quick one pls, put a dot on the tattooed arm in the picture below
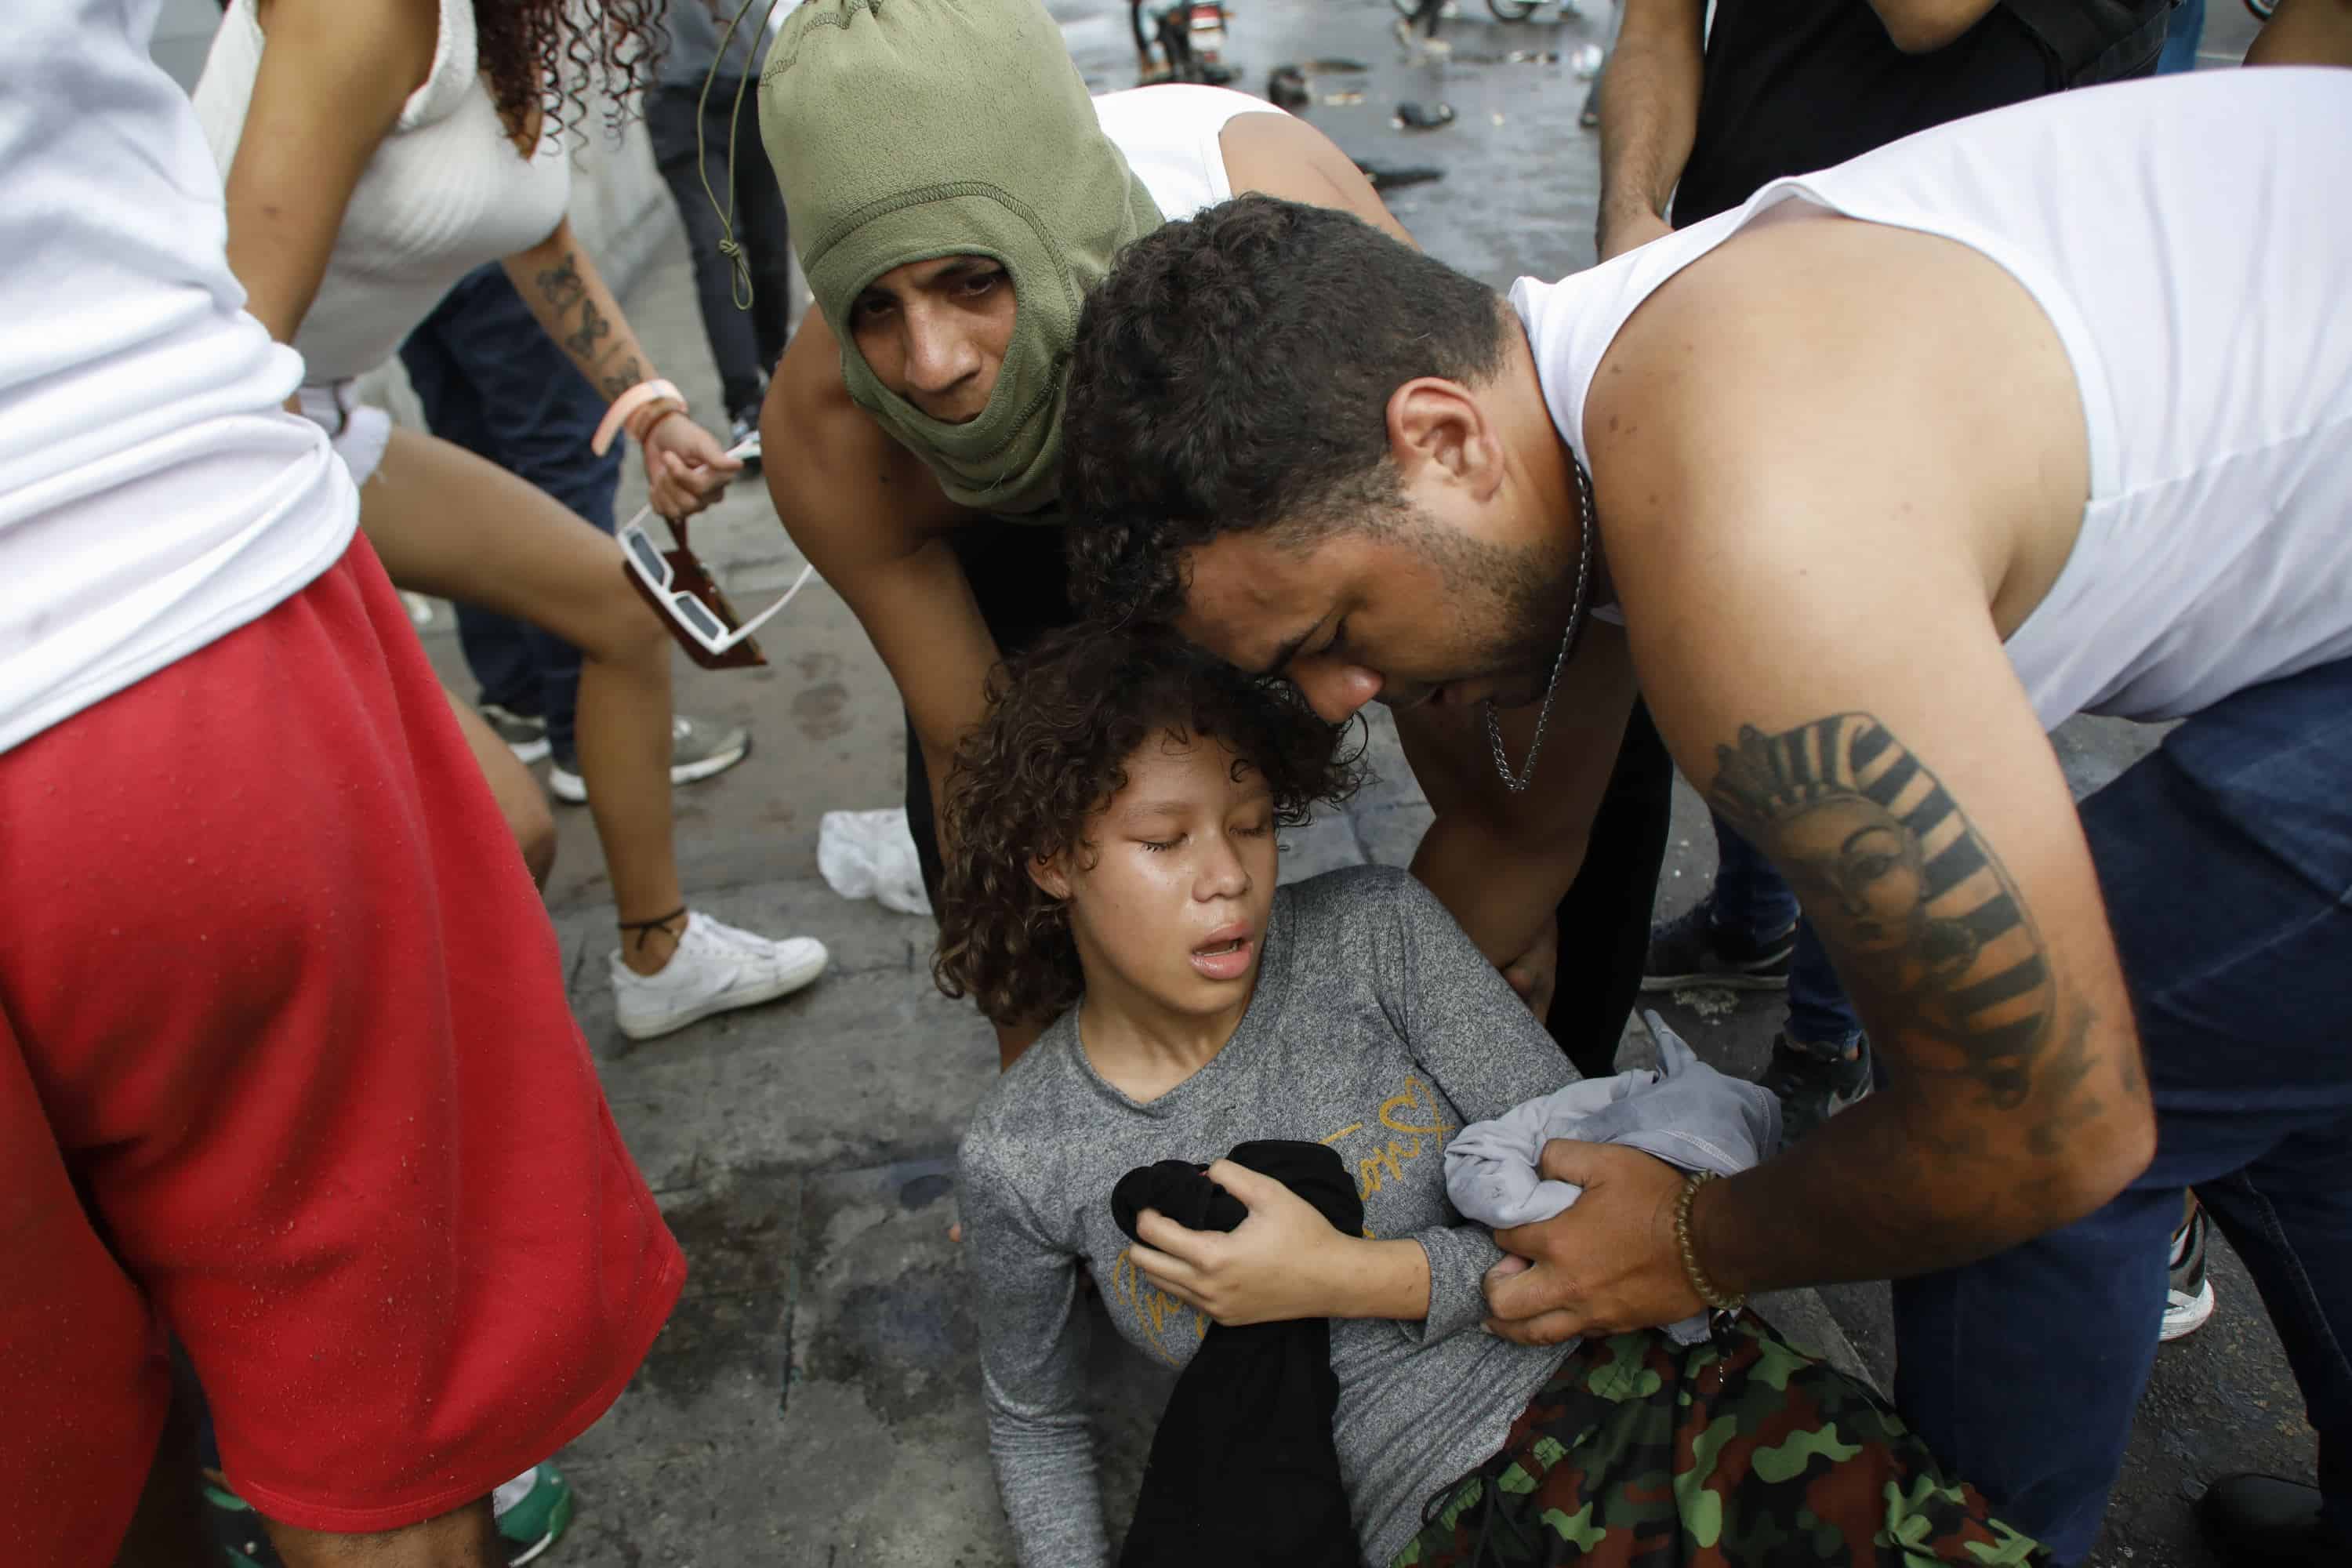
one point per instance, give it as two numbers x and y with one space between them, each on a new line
1813 538
556 279
565 291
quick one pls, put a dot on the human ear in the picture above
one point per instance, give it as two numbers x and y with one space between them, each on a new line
1436 424
1051 877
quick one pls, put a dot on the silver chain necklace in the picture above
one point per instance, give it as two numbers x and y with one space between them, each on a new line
1517 782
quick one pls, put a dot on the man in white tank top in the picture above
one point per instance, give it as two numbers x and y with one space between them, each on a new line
1889 470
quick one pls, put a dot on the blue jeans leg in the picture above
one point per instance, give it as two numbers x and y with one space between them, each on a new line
2225 860
1751 899
2183 31
492 381
1749 896
1818 1014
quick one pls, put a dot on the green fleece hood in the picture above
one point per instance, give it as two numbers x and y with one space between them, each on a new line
907 130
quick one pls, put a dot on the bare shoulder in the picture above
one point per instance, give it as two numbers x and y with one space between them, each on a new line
831 470
1279 154
1860 375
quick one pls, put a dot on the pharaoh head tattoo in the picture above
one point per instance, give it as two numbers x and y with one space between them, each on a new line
1899 886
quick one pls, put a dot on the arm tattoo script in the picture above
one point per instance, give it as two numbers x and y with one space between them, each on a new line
1901 887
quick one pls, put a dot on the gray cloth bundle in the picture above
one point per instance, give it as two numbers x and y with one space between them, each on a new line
1686 1113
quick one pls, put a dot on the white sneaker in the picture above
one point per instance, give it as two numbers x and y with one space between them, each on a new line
717 968
697 749
2188 1294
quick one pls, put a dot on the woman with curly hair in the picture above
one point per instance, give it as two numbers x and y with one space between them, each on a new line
1113 874
375 152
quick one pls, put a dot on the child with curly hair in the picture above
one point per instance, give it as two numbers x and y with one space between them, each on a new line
1112 866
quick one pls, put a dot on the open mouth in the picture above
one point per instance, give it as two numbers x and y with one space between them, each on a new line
1227 957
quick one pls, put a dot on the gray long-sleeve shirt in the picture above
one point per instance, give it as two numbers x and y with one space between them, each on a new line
1378 1028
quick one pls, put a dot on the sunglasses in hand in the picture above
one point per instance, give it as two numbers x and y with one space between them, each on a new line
690 602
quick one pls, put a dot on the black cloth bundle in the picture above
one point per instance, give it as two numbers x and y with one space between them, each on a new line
1243 1472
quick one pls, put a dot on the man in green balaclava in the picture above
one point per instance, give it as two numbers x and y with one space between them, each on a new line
954 194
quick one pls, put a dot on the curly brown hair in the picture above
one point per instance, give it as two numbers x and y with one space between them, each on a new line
536 56
1062 721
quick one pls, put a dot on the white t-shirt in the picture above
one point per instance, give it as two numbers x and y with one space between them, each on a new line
2189 240
154 494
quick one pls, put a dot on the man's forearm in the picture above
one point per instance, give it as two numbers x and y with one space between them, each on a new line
1500 893
1649 110
1899 1185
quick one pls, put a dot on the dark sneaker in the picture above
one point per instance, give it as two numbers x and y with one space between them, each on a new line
532 1512
1691 949
524 733
1813 1083
2263 1520
699 748
2188 1295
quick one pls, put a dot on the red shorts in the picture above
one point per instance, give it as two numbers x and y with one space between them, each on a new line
286 1070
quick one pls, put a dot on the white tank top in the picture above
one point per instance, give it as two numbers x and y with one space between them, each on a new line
153 495
1168 136
2191 240
445 193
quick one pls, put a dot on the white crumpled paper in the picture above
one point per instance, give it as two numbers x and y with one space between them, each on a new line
871 855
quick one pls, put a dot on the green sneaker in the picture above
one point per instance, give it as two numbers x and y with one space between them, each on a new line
532 1510
236 1529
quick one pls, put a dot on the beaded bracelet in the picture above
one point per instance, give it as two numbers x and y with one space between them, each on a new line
1691 1269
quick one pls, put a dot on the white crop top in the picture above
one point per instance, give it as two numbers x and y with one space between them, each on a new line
2188 239
445 193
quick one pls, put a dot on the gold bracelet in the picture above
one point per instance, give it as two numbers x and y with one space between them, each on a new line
1697 1275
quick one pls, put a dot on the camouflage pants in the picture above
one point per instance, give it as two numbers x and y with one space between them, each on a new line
1641 1453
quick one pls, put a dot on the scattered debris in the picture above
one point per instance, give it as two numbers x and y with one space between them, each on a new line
1387 179
1708 1001
1343 98
1333 66
1415 116
1588 60
1497 118
1532 57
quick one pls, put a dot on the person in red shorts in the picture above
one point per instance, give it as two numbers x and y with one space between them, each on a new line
274 983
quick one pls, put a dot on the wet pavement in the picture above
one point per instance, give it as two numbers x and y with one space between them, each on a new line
815 1398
